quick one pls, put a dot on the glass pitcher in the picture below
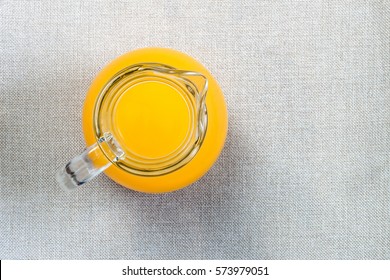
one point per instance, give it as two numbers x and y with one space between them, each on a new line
150 125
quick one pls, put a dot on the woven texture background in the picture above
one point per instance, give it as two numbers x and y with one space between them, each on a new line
305 173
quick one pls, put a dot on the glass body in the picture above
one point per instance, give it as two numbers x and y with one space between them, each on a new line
154 120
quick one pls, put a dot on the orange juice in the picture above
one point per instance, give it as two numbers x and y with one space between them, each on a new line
153 120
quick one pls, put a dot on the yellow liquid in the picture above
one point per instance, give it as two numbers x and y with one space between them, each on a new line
152 120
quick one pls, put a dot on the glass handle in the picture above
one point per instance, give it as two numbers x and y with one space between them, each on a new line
90 163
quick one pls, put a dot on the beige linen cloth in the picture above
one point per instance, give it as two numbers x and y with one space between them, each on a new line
305 173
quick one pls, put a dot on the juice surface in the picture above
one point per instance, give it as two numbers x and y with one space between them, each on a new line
153 120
